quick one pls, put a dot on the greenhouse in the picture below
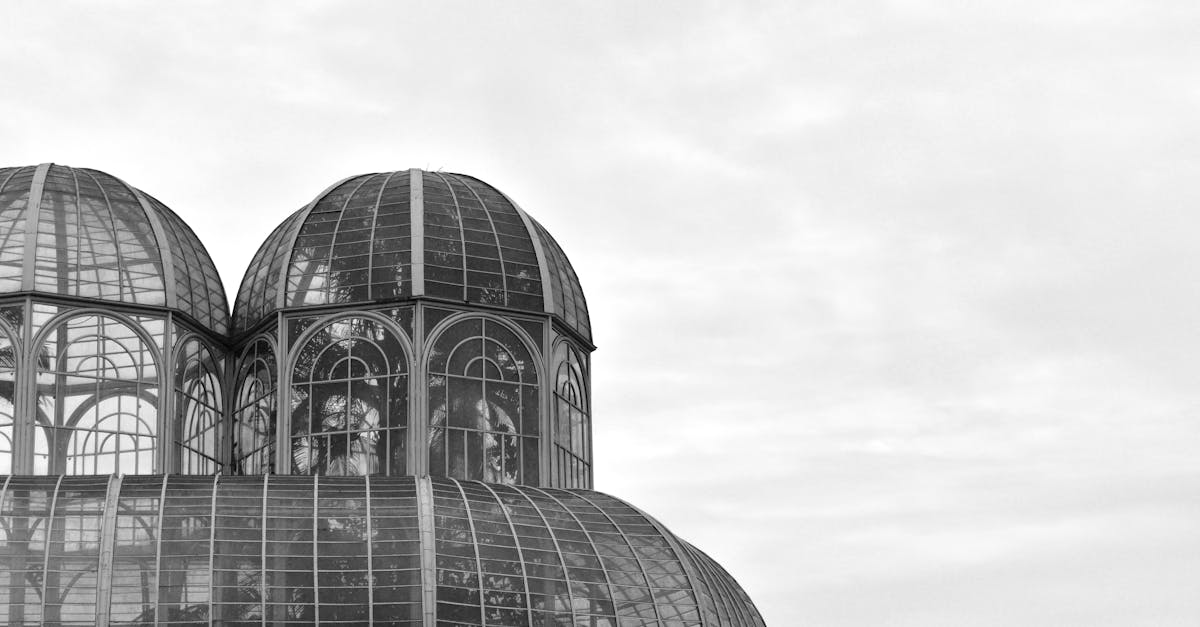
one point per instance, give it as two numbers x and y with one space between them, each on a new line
393 427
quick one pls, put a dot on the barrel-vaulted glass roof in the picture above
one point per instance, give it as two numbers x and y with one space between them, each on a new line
397 235
279 549
82 233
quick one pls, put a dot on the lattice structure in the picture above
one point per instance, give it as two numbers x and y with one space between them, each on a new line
395 429
289 550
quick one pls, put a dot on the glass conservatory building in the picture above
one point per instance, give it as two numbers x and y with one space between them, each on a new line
393 428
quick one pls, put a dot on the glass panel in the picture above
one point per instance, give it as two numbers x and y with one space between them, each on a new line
97 399
349 401
480 383
198 409
572 423
254 412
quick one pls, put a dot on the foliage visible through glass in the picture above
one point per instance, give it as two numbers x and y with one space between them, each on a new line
349 401
483 404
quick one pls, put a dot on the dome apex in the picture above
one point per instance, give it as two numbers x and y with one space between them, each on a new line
411 233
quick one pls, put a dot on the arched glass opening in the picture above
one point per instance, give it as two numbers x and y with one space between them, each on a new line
483 405
96 399
572 420
349 401
254 413
8 390
198 409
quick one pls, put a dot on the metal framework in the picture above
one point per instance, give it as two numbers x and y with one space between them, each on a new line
276 550
411 341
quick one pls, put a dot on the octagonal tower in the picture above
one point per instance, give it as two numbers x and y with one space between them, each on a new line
413 322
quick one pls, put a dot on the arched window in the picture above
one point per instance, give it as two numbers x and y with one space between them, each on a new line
483 405
349 403
198 409
97 399
572 420
8 371
254 413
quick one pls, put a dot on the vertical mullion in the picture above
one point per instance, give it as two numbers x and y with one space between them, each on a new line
520 553
474 547
49 542
212 550
370 554
104 567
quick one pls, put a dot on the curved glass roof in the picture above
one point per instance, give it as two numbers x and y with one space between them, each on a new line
86 234
354 550
396 235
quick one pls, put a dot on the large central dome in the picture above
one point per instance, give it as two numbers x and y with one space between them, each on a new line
398 235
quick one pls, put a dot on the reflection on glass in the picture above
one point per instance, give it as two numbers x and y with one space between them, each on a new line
198 409
573 429
97 399
349 404
8 369
483 405
254 414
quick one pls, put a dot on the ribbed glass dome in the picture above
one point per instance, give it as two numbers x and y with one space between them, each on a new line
82 233
396 235
292 550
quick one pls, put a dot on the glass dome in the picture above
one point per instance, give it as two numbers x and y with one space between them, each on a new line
398 235
277 550
80 233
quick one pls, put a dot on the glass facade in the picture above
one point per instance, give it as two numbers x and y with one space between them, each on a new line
292 550
483 404
349 400
395 429
572 419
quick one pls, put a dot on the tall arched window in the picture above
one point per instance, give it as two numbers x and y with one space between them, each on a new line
254 413
483 405
97 399
349 402
572 420
198 409
8 390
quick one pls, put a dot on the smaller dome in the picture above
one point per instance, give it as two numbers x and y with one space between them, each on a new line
361 242
86 234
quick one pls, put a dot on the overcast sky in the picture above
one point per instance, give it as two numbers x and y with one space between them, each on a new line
897 305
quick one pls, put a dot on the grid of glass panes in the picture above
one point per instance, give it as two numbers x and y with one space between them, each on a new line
260 285
70 579
254 412
198 289
355 244
349 401
674 599
198 409
185 556
25 506
569 302
8 390
298 550
477 247
730 604
483 404
135 550
94 240
14 197
97 399
572 423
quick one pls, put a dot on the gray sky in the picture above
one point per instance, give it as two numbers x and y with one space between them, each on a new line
897 304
